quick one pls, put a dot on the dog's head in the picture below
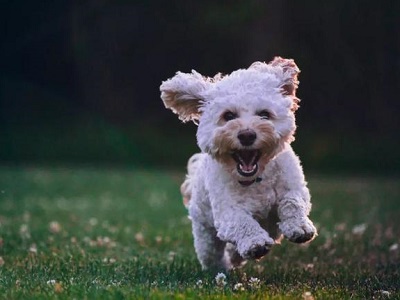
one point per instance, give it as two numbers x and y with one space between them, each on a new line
245 118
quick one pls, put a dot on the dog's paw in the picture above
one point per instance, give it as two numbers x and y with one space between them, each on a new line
257 252
256 249
302 238
298 231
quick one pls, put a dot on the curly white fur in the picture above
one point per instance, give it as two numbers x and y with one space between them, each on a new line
246 189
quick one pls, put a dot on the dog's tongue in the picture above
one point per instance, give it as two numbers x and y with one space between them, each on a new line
247 159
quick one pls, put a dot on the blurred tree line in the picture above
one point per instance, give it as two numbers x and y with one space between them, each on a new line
79 80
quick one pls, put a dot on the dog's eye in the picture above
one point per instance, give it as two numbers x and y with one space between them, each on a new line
265 114
228 115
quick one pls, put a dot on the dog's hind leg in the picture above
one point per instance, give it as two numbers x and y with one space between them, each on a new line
209 248
186 187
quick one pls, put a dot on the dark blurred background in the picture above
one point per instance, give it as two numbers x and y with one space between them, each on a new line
79 80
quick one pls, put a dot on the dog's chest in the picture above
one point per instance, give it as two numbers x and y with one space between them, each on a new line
258 199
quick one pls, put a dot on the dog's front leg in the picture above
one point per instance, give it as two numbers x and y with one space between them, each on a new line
238 227
294 223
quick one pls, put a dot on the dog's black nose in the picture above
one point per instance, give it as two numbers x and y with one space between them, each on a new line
247 137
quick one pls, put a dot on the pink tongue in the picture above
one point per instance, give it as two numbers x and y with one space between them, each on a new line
247 159
247 168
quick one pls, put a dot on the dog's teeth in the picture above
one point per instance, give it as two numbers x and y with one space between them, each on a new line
247 171
242 168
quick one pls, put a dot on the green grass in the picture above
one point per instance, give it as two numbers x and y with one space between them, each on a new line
115 234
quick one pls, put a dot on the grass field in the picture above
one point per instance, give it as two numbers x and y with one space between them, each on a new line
114 234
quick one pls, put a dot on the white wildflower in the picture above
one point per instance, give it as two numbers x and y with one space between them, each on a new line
154 283
114 283
309 267
52 281
238 287
171 255
385 294
308 296
93 222
394 247
139 237
33 249
254 283
199 283
359 229
220 279
54 227
107 260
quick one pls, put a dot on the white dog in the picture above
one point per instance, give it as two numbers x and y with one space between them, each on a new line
246 188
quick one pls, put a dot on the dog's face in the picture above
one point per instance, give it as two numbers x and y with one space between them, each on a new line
244 118
244 132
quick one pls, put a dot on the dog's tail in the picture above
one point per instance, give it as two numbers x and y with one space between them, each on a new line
187 185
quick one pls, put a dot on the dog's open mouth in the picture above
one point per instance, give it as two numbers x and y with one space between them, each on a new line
247 161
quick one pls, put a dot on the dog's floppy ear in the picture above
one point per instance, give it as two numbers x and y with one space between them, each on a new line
183 94
289 80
